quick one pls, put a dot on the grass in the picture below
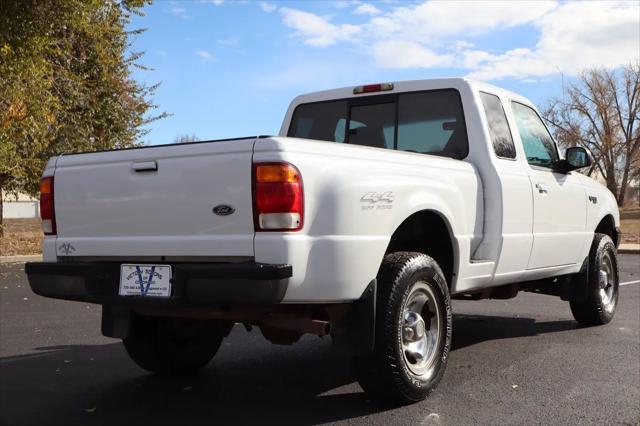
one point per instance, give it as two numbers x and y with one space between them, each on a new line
24 236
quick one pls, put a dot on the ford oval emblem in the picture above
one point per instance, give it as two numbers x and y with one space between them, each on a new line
223 210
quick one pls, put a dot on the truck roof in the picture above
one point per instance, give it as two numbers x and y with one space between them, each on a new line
465 86
409 86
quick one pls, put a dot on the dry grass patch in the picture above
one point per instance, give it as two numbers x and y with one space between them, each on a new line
630 225
21 236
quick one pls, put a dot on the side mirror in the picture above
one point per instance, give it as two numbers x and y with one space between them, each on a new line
577 157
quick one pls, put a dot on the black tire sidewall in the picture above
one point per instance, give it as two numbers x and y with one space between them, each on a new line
591 311
417 267
152 345
434 279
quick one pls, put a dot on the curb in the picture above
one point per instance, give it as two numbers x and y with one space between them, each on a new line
629 250
22 258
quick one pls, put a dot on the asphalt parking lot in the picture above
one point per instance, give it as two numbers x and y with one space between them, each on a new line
519 361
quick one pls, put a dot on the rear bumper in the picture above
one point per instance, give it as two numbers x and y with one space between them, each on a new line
193 284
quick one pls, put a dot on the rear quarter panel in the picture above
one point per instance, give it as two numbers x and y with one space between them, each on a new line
355 198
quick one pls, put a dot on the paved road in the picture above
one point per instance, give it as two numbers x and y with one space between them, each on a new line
520 361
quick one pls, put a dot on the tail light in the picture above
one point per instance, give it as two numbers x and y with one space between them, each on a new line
47 208
278 201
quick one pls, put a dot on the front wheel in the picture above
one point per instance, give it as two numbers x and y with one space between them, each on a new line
413 330
602 284
172 345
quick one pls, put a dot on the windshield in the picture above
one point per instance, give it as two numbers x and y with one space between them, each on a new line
430 122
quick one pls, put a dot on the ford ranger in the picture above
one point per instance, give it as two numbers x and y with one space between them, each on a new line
372 209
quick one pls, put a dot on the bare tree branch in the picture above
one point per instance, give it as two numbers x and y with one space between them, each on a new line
601 114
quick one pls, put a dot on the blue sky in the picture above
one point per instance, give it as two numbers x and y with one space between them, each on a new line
230 68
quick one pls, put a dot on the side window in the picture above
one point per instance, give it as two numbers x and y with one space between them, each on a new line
432 123
537 142
498 126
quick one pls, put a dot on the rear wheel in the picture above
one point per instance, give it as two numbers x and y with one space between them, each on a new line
602 284
413 330
172 345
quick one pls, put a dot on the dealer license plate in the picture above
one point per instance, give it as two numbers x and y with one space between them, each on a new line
145 280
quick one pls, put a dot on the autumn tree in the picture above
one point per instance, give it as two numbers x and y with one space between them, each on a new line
600 111
66 84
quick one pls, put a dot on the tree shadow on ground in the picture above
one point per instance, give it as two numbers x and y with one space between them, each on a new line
250 381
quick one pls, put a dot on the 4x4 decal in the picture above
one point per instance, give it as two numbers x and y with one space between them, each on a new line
377 200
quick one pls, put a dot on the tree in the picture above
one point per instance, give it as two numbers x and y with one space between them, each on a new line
601 112
66 84
186 138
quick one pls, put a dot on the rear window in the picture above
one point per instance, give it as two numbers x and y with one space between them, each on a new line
325 121
430 122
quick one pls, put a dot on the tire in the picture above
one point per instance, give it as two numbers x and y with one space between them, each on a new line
172 345
404 368
602 281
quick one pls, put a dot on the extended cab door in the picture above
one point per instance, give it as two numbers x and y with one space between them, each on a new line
559 200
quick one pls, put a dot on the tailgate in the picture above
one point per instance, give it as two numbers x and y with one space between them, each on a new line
114 204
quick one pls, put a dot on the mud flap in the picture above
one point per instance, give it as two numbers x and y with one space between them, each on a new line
116 321
576 288
355 331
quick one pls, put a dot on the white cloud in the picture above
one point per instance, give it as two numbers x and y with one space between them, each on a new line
571 36
217 2
317 30
267 7
204 55
440 18
343 4
408 54
367 9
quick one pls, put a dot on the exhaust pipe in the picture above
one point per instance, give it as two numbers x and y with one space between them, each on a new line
300 325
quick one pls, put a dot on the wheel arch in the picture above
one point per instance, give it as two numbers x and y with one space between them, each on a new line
429 232
607 225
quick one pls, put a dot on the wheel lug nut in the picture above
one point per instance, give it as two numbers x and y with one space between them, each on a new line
408 333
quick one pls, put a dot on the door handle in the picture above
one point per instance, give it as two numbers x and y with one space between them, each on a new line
542 188
145 166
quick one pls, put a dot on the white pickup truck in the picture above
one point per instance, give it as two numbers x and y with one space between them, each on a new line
372 209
